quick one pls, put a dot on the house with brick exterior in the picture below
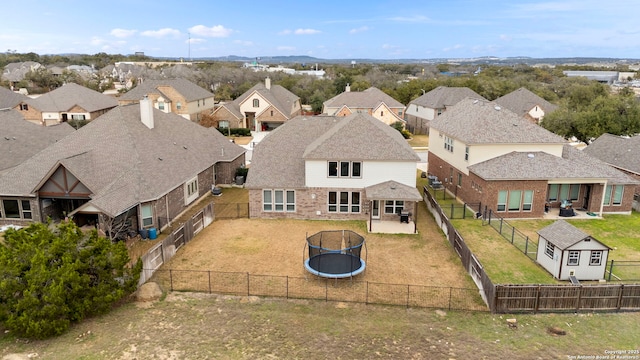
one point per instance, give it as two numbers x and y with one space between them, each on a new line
10 99
178 96
68 102
134 165
322 167
21 139
484 153
526 104
427 107
372 101
263 107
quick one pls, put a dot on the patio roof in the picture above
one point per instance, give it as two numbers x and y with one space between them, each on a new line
392 190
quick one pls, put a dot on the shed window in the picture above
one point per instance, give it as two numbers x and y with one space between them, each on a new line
573 258
549 249
596 258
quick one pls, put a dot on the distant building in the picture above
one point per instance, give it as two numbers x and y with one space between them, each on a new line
606 77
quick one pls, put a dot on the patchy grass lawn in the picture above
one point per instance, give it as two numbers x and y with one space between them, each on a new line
419 141
202 326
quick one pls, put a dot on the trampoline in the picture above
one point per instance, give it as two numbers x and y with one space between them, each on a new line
335 254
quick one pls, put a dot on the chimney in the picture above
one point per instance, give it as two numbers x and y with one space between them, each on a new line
146 112
267 83
347 88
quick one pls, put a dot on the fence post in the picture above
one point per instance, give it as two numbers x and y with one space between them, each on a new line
170 280
366 295
451 217
526 246
248 286
610 270
450 290
513 233
579 298
620 296
537 306
408 287
287 284
501 219
209 281
464 211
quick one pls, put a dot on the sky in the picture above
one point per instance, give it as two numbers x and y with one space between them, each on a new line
372 29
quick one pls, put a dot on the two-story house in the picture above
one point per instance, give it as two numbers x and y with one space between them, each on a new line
333 167
134 165
427 107
484 153
178 96
68 102
526 104
263 107
372 101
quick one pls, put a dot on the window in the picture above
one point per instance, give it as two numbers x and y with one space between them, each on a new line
179 105
596 258
574 192
502 201
77 117
256 102
549 249
26 209
574 258
553 192
291 201
393 207
147 215
24 107
515 196
271 112
527 201
564 192
161 105
448 143
224 124
344 201
607 195
459 179
11 209
466 153
279 200
267 200
191 190
381 113
617 194
345 168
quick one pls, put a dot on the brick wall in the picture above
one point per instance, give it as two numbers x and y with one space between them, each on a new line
226 171
32 114
266 116
223 114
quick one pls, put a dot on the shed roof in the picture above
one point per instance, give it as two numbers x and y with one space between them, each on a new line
564 235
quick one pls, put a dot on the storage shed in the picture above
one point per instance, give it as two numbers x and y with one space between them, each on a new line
565 251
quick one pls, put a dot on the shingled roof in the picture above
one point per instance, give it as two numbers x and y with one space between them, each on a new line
122 161
20 139
474 121
189 90
279 159
9 99
521 101
279 97
69 95
368 99
618 151
444 97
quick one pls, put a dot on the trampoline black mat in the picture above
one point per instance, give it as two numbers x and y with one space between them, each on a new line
335 263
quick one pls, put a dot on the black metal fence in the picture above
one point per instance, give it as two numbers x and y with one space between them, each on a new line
231 210
521 241
314 288
620 270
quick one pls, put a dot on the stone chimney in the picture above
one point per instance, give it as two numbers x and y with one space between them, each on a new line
267 83
347 88
146 112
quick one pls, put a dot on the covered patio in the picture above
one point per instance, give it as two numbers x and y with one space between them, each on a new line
392 208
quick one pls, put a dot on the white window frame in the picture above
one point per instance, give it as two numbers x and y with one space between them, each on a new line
466 153
278 200
549 249
527 200
256 103
146 215
267 204
290 203
513 197
448 143
595 258
573 258
393 206
502 203
191 192
617 196
344 202
344 169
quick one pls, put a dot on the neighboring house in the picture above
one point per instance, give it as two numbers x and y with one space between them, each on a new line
433 103
134 165
68 102
605 77
16 72
179 96
621 152
564 251
263 107
10 99
333 167
527 104
484 153
371 101
19 139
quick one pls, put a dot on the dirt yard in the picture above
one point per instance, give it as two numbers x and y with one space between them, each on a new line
276 247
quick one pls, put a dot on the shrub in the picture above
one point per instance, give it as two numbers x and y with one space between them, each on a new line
235 131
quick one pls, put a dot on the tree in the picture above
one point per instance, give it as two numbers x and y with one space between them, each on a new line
50 278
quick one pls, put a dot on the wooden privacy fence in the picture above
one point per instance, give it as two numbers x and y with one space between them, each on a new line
313 288
509 298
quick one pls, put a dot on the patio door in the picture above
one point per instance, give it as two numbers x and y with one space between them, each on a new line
585 199
375 210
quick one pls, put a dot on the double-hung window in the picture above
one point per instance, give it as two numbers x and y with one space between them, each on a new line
345 169
502 201
596 258
278 200
344 202
393 206
573 258
147 215
549 249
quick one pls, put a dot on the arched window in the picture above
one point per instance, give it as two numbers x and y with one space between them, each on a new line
256 102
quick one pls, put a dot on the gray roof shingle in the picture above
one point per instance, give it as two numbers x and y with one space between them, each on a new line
9 99
475 121
279 159
368 99
621 152
564 235
122 161
69 95
444 97
189 90
521 101
392 190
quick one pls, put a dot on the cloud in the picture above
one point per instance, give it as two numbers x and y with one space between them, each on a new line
285 48
411 19
285 32
123 33
306 31
359 30
217 31
161 33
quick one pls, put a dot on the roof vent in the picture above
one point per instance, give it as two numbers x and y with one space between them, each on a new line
498 108
530 156
475 101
